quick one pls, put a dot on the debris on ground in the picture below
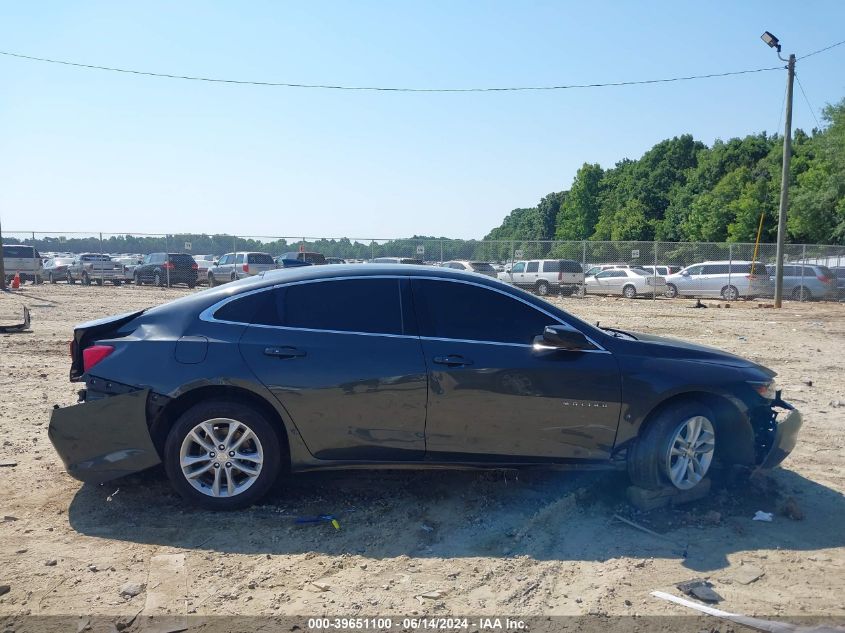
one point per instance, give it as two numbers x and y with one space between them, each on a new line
132 589
699 588
746 574
792 510
8 464
767 517
4 589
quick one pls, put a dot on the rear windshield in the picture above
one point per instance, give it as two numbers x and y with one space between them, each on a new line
181 258
641 271
410 261
260 258
91 257
20 251
481 267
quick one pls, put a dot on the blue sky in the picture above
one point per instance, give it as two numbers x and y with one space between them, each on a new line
91 150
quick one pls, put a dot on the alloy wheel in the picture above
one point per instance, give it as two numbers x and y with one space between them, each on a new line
690 452
221 457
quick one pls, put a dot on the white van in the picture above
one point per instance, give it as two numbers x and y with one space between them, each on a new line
24 260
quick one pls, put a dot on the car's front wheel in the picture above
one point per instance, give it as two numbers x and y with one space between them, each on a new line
542 288
630 292
222 455
676 447
671 291
211 280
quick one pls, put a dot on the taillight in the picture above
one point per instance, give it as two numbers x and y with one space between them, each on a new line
824 278
94 354
194 266
168 266
246 268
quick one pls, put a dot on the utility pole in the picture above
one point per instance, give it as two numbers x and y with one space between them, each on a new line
773 42
784 182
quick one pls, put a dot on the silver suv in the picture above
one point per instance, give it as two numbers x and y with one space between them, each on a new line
482 268
234 266
24 260
729 280
545 275
808 281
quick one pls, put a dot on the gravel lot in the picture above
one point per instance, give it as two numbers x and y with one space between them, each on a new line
433 542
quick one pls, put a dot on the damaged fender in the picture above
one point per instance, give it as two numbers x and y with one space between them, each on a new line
104 439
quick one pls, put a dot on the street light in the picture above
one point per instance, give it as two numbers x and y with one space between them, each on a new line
773 42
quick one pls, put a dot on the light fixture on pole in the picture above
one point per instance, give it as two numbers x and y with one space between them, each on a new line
773 42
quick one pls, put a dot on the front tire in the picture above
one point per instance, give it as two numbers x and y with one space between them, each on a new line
86 280
542 288
802 293
70 279
212 282
50 278
629 292
228 478
671 291
675 448
157 280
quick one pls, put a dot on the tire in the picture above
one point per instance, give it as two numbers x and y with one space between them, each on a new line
192 284
86 280
212 282
157 280
801 293
629 292
137 280
542 288
116 282
730 293
99 281
51 278
199 490
234 277
650 460
671 291
70 279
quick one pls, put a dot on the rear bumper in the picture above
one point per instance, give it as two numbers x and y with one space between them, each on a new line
104 439
787 423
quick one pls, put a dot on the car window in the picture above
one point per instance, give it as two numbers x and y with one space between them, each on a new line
260 258
518 268
181 258
840 273
533 267
467 312
18 251
593 271
695 270
239 258
481 267
605 274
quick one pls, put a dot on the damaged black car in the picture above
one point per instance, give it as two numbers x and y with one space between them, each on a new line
395 366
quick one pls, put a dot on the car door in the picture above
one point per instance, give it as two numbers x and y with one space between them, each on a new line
492 396
689 281
343 358
518 274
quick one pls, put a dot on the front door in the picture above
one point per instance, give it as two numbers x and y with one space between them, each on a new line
492 397
342 358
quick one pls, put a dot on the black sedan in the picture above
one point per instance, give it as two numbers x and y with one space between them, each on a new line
396 366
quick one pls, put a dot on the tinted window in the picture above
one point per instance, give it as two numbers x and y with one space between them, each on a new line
533 267
18 251
463 311
260 258
348 305
715 269
481 267
182 258
259 307
605 274
239 258
562 265
90 257
694 270
518 268
311 258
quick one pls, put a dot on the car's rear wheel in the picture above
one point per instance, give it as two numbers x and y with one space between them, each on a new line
802 293
542 288
99 281
116 282
629 291
70 279
136 278
211 280
222 455
671 291
676 448
234 277
86 280
730 293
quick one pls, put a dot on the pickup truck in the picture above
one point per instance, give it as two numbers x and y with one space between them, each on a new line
95 267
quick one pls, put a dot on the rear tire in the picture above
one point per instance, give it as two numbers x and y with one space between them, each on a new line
99 282
50 278
189 451
212 282
86 280
629 292
802 293
70 279
116 282
234 277
671 291
137 280
157 281
656 458
730 293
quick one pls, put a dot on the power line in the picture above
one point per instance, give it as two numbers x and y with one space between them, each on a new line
809 105
388 89
822 50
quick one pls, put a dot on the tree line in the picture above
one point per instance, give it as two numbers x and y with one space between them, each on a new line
681 190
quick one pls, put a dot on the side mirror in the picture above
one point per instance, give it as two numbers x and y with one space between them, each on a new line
685 273
562 337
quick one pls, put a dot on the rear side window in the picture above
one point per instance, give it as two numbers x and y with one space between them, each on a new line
239 259
260 258
481 267
551 266
533 267
346 305
259 307
466 312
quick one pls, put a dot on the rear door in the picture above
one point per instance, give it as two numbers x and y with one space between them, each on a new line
343 358
492 397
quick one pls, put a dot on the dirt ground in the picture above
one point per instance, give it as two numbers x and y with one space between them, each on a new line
427 542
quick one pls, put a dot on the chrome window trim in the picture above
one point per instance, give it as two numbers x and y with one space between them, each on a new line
207 315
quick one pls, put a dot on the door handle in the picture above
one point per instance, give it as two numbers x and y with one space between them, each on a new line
284 352
453 360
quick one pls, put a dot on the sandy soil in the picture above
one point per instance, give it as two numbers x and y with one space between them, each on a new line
436 542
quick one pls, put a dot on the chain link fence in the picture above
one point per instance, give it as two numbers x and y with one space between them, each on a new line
695 269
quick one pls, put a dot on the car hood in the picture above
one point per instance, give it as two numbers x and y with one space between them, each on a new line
665 347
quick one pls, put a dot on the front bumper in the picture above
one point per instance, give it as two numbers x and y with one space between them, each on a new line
104 439
783 432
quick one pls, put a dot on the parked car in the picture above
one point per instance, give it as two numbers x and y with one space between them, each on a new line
23 260
130 263
661 269
281 262
628 282
482 268
230 386
166 269
55 269
204 263
335 260
597 268
545 275
97 268
809 281
234 266
725 279
839 272
312 258
397 260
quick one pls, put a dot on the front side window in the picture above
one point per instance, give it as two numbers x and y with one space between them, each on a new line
466 312
694 270
518 268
